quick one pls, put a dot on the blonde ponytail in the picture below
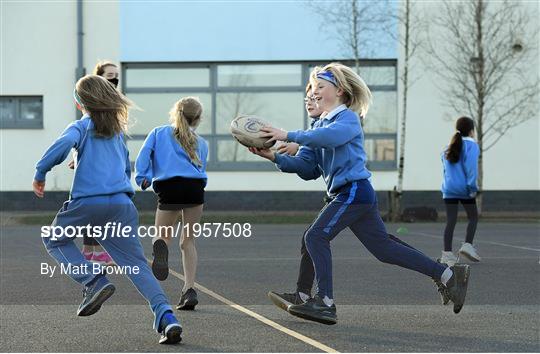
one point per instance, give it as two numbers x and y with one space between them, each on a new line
184 115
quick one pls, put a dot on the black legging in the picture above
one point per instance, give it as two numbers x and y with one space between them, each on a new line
451 219
89 241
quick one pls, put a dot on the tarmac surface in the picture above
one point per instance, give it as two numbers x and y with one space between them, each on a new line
381 308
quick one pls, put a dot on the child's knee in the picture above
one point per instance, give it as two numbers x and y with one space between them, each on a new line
187 242
314 236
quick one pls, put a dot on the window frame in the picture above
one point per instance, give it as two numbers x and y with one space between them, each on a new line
213 89
18 122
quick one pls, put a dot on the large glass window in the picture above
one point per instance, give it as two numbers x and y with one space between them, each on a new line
283 110
155 108
259 75
382 114
272 91
168 77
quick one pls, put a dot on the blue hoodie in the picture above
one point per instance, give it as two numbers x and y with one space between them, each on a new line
162 157
333 148
460 177
102 164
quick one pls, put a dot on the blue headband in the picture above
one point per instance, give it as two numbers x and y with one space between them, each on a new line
327 76
77 98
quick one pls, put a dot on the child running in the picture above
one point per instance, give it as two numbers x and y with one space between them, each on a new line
173 161
460 169
306 273
100 197
337 153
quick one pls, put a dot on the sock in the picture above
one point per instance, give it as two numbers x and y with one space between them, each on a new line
446 275
327 301
167 319
98 253
305 297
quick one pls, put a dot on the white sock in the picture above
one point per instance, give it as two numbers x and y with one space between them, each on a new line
327 301
304 297
446 275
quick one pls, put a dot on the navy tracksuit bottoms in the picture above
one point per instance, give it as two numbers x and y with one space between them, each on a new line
355 206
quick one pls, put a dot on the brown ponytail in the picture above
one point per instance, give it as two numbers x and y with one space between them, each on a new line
99 69
184 115
464 126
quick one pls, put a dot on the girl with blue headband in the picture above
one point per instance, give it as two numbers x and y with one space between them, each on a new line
100 200
336 142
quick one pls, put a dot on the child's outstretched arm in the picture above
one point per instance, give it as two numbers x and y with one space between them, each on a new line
342 130
303 164
143 163
59 150
471 168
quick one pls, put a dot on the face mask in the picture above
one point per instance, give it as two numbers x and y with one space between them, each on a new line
113 81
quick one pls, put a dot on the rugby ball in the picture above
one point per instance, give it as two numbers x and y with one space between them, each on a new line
246 129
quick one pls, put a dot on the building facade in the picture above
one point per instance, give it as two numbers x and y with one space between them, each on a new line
238 58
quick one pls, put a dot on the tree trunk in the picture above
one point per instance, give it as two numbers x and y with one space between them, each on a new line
398 192
481 98
354 39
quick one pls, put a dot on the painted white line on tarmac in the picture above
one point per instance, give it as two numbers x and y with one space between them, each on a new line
486 242
258 317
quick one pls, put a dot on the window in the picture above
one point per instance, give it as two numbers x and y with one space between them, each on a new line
259 75
273 91
21 112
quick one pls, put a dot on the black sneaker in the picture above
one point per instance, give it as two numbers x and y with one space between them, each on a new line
188 301
160 263
315 310
284 300
95 295
457 285
443 292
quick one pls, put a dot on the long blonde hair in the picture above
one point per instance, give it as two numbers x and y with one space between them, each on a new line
108 108
186 114
357 94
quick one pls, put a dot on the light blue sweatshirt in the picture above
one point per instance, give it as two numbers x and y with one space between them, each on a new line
460 177
162 157
333 148
102 164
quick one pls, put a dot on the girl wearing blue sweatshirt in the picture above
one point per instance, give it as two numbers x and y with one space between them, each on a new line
173 161
101 198
460 170
334 149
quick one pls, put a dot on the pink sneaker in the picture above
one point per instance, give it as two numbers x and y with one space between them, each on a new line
88 256
103 258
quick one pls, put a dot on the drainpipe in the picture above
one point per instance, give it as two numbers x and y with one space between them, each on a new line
79 71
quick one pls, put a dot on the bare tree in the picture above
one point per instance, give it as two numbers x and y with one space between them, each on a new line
483 53
241 103
356 24
409 38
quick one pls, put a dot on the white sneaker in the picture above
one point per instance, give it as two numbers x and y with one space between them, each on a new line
469 252
448 258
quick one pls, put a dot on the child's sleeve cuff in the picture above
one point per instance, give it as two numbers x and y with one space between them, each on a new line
39 176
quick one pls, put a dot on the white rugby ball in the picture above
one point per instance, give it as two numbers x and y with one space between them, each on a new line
247 130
